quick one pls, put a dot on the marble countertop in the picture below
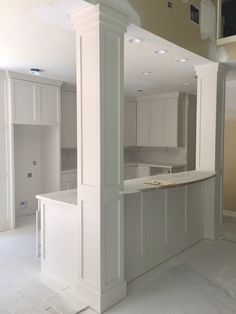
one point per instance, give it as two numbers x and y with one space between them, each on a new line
161 164
69 197
176 179
66 171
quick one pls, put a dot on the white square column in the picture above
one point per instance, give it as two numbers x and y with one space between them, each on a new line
210 141
100 80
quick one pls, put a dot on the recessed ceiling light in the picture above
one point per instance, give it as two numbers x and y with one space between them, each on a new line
186 84
147 73
35 71
183 60
135 40
161 51
140 90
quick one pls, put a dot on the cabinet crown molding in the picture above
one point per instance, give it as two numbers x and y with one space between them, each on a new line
30 78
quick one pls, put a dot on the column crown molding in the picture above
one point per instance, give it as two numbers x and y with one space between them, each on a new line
210 69
83 20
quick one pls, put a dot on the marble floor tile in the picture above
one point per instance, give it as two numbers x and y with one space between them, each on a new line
229 225
200 280
23 289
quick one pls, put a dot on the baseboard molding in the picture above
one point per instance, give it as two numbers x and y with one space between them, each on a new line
229 213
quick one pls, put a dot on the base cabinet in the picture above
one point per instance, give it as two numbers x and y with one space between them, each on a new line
160 224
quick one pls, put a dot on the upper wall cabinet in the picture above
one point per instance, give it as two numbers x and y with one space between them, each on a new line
130 122
34 101
68 119
160 120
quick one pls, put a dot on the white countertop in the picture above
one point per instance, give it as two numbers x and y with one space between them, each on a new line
180 178
161 164
69 197
68 171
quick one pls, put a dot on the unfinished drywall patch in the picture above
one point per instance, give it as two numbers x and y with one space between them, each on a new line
59 13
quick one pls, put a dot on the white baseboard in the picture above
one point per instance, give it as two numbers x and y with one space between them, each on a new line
229 213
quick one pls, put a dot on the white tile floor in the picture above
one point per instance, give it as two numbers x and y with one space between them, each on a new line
22 288
201 280
230 229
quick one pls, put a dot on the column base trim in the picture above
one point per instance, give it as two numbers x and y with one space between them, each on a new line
101 303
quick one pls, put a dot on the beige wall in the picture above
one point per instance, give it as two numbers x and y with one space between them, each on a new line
230 148
172 24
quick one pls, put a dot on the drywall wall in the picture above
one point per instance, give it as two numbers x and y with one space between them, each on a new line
172 24
27 150
230 148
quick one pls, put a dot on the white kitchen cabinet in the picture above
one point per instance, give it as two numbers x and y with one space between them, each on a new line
34 101
143 124
159 122
68 119
23 101
130 122
49 102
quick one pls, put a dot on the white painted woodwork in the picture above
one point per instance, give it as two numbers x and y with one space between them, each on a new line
33 102
68 119
5 161
130 122
49 104
143 124
24 101
210 141
100 53
160 224
159 121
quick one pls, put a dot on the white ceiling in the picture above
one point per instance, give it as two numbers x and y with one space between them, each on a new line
36 33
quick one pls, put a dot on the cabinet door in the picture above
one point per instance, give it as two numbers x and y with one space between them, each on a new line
157 123
49 99
171 123
68 120
142 124
130 118
23 102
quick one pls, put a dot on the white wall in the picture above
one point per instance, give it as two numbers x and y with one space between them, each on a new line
27 149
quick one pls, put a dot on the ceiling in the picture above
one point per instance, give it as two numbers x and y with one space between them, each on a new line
37 33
